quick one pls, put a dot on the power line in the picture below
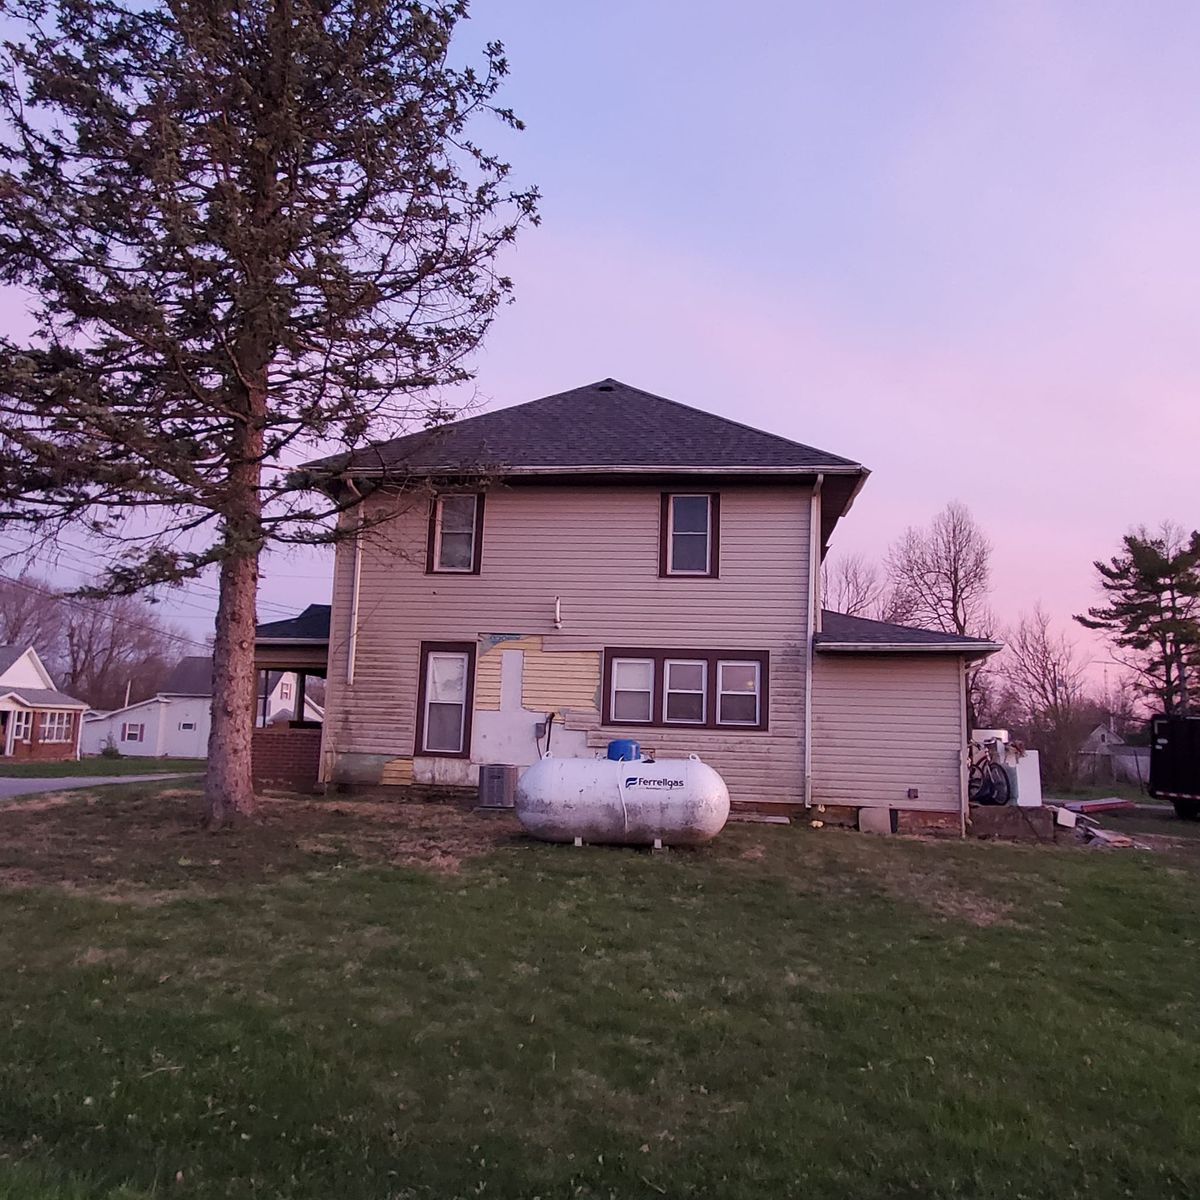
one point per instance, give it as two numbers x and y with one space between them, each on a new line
194 584
82 606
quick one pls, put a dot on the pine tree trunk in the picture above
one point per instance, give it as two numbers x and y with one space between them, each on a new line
229 789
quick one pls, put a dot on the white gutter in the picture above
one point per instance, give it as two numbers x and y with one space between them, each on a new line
910 647
811 619
355 584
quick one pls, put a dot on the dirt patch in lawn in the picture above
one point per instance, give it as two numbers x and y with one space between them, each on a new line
152 844
945 896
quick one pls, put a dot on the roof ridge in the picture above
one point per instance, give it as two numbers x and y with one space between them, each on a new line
718 417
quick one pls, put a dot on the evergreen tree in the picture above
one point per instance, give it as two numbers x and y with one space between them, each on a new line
250 232
1152 618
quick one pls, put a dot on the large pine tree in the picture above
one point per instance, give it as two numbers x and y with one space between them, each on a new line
1152 618
247 230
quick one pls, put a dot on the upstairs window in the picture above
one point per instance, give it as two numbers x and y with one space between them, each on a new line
455 534
690 534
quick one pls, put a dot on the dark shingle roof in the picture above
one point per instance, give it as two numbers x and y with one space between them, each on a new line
9 655
43 697
605 426
841 631
192 676
312 625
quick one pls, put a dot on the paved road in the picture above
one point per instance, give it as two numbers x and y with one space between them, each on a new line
24 787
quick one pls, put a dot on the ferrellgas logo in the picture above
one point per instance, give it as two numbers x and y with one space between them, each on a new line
642 781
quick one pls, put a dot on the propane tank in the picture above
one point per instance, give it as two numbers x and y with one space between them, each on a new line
677 801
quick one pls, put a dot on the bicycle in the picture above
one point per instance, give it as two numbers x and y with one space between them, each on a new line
987 780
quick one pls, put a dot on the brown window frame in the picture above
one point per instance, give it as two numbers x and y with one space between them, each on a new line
713 658
428 648
665 570
431 567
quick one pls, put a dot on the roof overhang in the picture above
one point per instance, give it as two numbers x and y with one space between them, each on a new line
56 705
969 650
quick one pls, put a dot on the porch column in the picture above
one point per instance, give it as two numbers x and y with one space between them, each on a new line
298 711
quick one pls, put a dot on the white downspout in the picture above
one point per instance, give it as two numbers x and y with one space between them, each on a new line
355 584
811 619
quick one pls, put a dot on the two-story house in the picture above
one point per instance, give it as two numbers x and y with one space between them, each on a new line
607 563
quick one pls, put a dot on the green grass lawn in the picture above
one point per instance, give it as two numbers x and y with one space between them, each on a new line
98 765
407 1001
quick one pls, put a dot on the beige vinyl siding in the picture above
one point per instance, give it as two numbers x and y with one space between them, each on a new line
884 723
596 549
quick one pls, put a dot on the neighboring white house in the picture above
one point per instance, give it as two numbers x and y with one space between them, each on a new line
277 695
176 722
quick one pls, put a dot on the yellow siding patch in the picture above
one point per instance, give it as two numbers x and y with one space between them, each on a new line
552 681
488 664
399 771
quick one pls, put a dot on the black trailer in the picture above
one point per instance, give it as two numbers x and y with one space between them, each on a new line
1175 763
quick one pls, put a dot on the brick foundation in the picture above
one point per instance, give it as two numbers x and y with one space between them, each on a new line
287 758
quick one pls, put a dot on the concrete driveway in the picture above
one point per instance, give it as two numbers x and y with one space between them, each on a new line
10 788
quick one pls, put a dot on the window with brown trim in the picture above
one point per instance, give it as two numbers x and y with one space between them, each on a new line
455 534
690 535
445 695
704 689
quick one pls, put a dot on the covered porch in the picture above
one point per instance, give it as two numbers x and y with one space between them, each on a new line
287 748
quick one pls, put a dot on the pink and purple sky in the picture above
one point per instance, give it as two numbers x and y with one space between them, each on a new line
958 242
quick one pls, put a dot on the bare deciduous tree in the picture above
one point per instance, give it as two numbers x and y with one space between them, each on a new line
97 650
1045 693
853 585
26 619
940 578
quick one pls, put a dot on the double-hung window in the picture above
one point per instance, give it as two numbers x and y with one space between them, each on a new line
632 693
133 732
690 534
739 692
706 689
455 534
447 685
54 727
22 725
685 691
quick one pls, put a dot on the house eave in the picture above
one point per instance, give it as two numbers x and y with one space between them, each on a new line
974 649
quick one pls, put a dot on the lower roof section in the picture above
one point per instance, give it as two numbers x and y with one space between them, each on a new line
858 635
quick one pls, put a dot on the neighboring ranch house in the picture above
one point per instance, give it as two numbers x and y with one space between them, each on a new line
37 721
174 723
605 563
